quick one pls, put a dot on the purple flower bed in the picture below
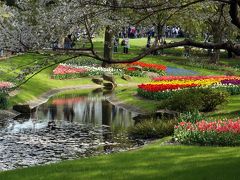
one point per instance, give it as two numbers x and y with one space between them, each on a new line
231 81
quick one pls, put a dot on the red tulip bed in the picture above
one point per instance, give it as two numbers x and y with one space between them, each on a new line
219 132
165 86
148 66
132 67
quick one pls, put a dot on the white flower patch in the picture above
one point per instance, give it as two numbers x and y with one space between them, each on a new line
97 70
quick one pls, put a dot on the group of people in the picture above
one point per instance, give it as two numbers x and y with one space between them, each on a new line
131 32
158 41
68 42
134 32
139 32
124 43
173 32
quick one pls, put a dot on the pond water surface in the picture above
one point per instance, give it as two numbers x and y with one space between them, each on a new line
93 109
68 126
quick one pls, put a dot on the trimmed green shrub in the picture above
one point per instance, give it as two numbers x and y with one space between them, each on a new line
197 99
211 98
150 129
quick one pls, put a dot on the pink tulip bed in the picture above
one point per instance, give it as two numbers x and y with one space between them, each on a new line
221 132
68 72
5 85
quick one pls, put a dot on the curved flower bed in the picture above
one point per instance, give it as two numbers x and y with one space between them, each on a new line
231 81
158 68
181 78
66 71
165 86
208 133
149 66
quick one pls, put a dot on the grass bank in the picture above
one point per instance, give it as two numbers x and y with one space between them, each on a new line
155 161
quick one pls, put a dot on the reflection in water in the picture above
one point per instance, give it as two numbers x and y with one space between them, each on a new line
68 112
92 110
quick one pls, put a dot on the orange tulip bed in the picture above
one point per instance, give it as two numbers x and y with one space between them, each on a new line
165 86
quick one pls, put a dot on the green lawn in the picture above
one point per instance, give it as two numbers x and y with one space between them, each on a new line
231 109
155 161
42 82
129 96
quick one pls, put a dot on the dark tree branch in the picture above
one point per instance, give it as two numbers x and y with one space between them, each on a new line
233 11
227 46
169 8
26 80
89 36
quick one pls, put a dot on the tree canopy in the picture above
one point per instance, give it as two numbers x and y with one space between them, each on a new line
32 25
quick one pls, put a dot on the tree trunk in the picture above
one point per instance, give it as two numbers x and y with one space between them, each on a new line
108 46
214 59
230 54
159 30
217 38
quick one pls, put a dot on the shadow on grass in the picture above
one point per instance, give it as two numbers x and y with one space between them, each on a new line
233 114
154 162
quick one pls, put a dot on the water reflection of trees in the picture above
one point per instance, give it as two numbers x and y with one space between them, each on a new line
68 112
52 114
91 110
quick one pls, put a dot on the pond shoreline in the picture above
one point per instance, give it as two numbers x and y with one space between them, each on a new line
9 113
116 102
45 96
63 141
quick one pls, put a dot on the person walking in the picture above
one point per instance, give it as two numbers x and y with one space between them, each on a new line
115 44
126 45
1 52
148 42
68 42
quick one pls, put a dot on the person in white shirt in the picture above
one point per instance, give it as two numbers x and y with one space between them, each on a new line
126 45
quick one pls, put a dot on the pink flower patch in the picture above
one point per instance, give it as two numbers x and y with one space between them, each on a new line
64 69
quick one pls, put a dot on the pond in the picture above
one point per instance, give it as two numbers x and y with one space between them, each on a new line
172 71
68 126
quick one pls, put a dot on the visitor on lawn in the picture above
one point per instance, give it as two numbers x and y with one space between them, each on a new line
125 45
115 44
148 42
68 42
